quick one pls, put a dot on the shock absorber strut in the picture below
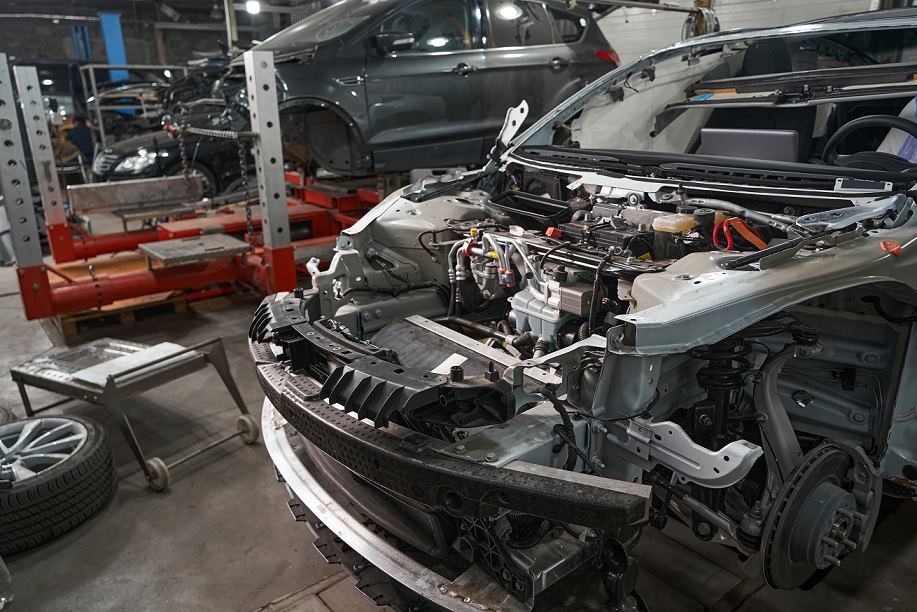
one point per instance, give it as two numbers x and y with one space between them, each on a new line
723 374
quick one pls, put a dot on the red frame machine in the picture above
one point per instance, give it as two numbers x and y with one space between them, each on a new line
316 215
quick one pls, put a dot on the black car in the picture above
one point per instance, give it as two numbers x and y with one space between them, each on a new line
371 87
158 154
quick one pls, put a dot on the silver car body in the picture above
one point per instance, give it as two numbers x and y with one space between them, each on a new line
799 349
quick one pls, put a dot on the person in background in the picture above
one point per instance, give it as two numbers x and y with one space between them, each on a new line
64 151
81 136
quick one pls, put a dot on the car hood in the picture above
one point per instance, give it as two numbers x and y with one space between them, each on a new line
143 141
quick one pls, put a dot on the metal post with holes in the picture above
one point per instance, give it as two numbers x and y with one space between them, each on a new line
17 199
39 138
261 85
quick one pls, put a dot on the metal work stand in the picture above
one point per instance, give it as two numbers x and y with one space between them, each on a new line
108 371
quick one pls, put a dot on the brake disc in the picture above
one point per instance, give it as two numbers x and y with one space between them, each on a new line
812 520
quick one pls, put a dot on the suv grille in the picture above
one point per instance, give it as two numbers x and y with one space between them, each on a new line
103 162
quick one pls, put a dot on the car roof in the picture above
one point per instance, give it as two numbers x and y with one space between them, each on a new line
869 15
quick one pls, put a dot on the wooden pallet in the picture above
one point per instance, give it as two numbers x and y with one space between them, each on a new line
122 312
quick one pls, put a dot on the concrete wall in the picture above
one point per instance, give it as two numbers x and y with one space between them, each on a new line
32 39
634 32
40 38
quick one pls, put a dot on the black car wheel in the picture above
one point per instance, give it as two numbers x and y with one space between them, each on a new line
58 471
211 188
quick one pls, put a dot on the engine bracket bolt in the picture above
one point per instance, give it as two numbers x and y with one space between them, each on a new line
490 458
460 449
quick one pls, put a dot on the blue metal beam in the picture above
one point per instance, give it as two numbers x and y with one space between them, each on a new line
114 44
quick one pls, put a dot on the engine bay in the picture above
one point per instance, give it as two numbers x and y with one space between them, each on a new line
509 332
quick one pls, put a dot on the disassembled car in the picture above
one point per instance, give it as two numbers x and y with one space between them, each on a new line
689 291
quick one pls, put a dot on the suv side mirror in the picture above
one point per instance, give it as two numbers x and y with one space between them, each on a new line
392 40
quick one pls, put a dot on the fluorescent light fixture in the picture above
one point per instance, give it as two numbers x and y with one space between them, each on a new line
253 7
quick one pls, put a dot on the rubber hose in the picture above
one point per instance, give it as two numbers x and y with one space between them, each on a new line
468 301
476 327
567 424
583 331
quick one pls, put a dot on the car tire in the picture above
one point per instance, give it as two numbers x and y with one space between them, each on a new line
56 498
211 187
236 185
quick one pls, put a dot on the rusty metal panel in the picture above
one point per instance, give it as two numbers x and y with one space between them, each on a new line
136 194
198 248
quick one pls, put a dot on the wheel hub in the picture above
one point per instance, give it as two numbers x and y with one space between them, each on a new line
820 529
813 519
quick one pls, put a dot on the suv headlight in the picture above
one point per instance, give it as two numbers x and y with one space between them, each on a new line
136 163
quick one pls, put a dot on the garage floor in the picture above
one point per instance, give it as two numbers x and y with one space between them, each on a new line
222 538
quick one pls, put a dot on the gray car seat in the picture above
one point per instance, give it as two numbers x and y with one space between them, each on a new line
763 58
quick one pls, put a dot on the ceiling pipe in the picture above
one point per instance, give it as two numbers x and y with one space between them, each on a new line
46 16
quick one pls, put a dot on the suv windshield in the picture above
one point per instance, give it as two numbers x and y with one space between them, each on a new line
324 25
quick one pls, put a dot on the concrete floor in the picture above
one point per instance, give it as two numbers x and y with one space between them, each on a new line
222 538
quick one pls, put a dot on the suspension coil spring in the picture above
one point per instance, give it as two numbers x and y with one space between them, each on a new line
726 364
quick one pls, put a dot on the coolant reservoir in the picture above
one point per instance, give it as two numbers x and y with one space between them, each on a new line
677 223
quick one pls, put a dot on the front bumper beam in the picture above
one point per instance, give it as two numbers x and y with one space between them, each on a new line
410 467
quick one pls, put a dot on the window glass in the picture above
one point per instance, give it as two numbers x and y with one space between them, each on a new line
436 25
864 48
568 27
515 23
336 20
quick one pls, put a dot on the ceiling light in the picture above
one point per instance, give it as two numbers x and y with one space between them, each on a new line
47 82
509 11
253 7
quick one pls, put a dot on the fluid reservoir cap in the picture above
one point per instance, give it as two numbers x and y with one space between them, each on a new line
704 216
553 232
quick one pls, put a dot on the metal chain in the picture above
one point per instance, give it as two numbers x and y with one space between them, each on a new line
229 134
183 152
248 205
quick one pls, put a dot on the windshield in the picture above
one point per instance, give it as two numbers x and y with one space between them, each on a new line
775 98
324 25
